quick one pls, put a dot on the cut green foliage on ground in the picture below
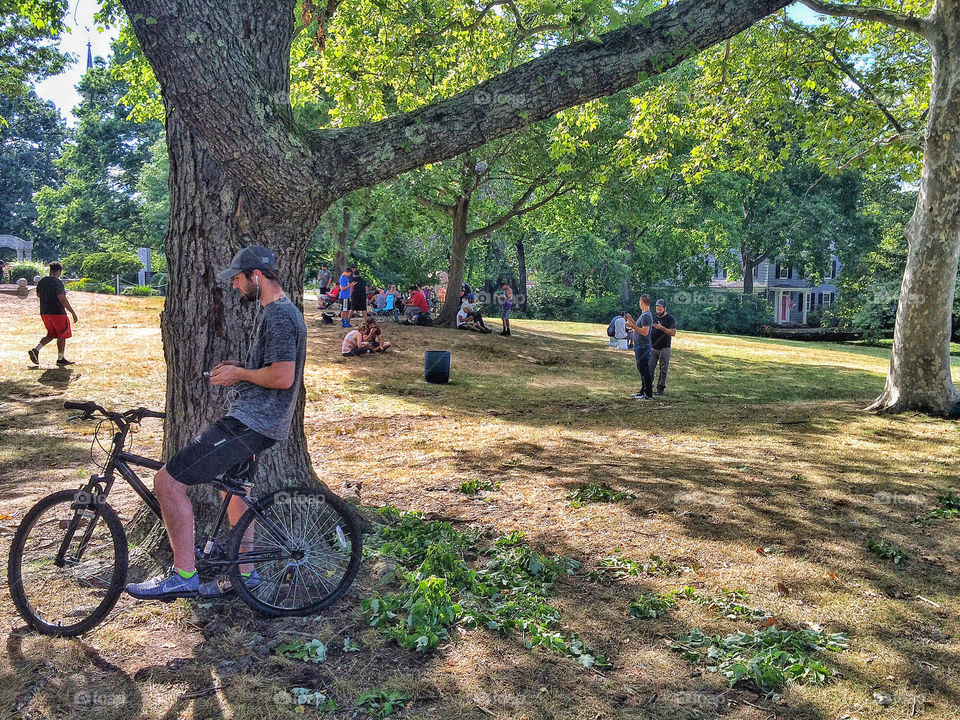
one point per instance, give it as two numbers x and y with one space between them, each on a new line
886 550
444 576
768 658
948 506
475 487
618 567
596 493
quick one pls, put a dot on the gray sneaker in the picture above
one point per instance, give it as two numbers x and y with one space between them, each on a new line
165 587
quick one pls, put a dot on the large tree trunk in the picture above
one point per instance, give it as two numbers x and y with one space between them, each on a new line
919 376
204 321
458 257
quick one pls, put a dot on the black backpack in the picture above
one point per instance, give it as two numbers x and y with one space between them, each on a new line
424 320
611 332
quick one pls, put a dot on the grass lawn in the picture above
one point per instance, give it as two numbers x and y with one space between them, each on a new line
757 472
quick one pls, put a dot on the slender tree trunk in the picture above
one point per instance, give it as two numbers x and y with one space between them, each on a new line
458 257
343 249
747 265
522 270
919 376
625 292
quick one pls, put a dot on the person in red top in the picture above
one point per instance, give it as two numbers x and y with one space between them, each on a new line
416 305
53 312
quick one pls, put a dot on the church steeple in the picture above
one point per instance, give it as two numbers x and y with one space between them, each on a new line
89 56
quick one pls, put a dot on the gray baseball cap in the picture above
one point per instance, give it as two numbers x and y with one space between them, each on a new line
255 257
662 303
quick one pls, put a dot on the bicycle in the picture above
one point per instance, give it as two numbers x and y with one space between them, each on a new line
69 558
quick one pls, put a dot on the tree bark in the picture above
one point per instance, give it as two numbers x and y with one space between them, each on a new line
522 271
746 264
919 377
342 251
458 257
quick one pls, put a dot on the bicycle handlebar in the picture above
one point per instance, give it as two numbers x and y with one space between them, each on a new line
136 415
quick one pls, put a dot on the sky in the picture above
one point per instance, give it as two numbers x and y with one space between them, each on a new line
61 89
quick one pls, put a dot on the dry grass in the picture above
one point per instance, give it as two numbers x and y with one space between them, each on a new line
758 444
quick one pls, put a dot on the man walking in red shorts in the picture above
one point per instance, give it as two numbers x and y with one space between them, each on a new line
53 311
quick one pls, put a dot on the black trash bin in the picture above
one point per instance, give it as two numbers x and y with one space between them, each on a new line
436 366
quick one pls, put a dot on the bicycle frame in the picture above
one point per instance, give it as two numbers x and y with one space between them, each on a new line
99 486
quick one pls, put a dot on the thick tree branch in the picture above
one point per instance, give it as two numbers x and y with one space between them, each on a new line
568 76
520 208
893 18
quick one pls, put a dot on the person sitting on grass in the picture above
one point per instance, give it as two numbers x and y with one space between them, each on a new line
465 320
374 336
354 344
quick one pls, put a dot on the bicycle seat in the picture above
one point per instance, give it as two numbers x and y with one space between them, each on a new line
239 478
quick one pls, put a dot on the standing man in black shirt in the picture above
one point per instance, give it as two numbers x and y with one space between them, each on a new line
53 312
664 328
358 296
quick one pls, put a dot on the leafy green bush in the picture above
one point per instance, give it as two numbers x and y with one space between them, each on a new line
721 312
603 309
139 291
88 285
554 302
103 266
26 270
73 264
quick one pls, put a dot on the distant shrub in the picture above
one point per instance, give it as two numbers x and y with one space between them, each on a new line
554 302
88 285
73 264
103 266
603 309
138 291
721 312
26 270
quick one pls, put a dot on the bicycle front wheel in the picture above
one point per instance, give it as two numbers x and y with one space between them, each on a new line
305 555
68 563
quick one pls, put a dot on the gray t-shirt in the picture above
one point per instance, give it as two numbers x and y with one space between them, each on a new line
280 336
645 320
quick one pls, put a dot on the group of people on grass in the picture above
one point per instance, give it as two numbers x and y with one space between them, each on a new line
470 318
651 338
356 297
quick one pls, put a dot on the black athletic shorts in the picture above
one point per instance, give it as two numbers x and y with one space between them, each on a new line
358 303
226 443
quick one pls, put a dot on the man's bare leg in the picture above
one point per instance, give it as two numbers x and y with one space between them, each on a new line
177 514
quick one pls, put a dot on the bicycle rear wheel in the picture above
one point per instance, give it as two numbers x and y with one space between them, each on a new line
305 561
68 563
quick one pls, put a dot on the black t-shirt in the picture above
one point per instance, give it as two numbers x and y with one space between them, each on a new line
359 288
659 338
49 290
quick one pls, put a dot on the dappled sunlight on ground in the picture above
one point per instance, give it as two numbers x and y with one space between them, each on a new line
758 470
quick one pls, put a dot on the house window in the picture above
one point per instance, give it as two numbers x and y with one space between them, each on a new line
784 273
833 269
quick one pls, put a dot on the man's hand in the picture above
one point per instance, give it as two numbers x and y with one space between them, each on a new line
75 318
658 326
227 373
